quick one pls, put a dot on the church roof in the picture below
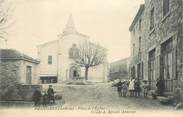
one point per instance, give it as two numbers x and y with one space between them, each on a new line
11 54
49 42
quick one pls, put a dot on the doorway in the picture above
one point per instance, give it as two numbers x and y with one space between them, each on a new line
74 73
167 64
28 75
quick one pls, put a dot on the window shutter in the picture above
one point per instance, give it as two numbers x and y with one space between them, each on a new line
157 66
174 62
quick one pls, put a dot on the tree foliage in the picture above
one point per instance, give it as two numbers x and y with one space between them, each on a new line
6 10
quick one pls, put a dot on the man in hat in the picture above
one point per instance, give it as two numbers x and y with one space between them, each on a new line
50 93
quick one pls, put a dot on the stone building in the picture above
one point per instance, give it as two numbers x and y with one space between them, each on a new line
156 43
22 66
57 58
119 69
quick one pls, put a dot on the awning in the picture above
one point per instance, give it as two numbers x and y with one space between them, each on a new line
48 75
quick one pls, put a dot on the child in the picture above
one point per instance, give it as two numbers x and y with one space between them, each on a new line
119 88
124 89
45 98
137 88
145 88
131 87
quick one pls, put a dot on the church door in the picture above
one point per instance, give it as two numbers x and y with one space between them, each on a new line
74 73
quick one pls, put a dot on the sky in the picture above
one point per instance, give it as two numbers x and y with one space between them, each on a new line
105 21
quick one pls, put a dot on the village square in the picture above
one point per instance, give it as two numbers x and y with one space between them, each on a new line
69 68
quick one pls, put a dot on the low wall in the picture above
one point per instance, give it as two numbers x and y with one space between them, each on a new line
27 91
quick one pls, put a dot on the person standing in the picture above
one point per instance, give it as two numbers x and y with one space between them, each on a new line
37 97
45 98
137 88
160 87
119 88
131 87
50 93
145 88
124 89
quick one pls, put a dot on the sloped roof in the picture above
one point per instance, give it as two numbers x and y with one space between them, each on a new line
139 13
49 42
11 54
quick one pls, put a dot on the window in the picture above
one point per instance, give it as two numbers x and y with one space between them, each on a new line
166 7
140 23
134 32
139 44
49 59
152 65
133 72
142 70
152 19
133 51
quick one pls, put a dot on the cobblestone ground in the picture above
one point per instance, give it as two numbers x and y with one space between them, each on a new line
105 96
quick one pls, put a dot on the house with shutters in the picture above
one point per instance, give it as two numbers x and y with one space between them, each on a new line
156 43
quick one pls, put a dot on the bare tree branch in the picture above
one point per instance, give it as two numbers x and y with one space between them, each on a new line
5 18
90 55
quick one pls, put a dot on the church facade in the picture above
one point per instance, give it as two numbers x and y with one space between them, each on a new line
56 58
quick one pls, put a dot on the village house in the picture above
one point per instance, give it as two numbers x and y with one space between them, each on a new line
22 66
156 43
57 58
119 69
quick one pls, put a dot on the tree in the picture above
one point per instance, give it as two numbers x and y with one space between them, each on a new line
6 21
90 55
8 76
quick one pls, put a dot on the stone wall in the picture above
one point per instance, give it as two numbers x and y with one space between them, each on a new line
180 47
9 78
13 67
165 27
18 68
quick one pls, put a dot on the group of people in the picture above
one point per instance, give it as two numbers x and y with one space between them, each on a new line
132 87
46 98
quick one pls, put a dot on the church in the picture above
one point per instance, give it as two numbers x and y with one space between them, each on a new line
56 58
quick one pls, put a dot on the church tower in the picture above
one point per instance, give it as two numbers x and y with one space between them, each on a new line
70 27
